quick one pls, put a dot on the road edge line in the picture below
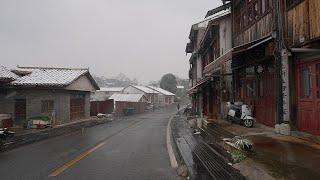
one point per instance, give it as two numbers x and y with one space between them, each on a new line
173 160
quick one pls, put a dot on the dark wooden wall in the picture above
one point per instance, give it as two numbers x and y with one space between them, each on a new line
303 22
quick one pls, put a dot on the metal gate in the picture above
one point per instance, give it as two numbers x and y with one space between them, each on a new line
308 96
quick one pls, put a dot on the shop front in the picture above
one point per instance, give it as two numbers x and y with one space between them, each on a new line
307 75
254 75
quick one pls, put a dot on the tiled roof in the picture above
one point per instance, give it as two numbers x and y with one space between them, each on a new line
52 77
146 89
6 74
162 91
111 89
126 97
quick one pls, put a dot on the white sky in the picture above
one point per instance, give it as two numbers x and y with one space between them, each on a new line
141 38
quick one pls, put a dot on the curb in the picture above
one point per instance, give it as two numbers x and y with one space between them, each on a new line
177 151
173 160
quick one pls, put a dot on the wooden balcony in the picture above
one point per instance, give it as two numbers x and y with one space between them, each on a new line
217 63
261 28
303 23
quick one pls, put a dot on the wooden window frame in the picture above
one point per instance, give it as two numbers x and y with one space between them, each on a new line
302 88
244 23
47 106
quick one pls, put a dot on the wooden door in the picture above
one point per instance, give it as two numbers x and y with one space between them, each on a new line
269 99
77 108
308 97
20 111
264 104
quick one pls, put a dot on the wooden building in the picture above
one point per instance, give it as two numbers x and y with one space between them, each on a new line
302 37
253 62
196 79
215 50
274 61
210 64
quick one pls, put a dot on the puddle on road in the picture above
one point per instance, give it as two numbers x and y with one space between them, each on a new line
287 160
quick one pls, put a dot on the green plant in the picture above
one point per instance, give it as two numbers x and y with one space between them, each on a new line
43 118
237 156
242 143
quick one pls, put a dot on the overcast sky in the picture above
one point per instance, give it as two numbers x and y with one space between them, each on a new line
141 38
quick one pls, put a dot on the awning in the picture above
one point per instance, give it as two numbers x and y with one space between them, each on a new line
199 84
215 65
239 57
251 45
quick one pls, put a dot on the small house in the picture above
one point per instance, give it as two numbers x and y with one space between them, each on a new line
137 103
165 97
104 93
62 94
151 94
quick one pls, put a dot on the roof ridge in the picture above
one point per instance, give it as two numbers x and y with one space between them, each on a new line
42 67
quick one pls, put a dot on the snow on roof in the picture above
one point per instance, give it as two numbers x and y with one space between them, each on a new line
7 74
44 76
219 14
111 89
126 97
146 89
204 23
162 91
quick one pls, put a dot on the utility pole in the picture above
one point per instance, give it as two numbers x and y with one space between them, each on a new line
277 33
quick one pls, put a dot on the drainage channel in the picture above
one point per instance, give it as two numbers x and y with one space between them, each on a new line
215 165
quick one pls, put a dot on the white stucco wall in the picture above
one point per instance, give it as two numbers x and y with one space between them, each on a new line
225 34
199 68
81 84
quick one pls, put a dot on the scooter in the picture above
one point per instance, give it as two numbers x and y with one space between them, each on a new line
5 136
240 113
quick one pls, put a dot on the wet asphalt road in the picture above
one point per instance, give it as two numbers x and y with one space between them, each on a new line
130 148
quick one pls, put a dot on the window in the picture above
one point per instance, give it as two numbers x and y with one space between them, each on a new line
305 83
250 89
47 106
248 12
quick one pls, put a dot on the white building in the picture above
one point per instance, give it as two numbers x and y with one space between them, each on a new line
104 93
151 94
165 97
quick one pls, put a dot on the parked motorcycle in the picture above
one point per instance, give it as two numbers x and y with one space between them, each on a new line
240 113
5 137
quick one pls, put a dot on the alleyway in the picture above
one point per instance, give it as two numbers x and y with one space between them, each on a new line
131 148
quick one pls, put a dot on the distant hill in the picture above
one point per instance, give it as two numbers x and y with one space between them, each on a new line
121 80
